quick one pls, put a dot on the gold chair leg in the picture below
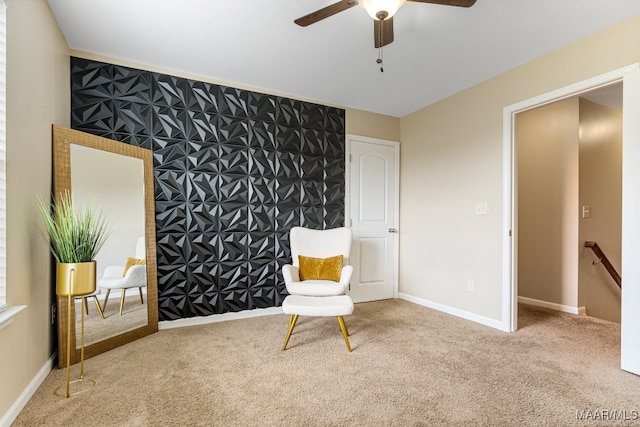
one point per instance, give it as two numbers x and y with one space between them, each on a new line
141 300
85 305
291 320
292 323
343 328
95 299
122 300
106 298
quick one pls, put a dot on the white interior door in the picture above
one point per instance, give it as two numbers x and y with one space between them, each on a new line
373 213
630 333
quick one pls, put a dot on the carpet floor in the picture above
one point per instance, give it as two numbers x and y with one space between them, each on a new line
410 366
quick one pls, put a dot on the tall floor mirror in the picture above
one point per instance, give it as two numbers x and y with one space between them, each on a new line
117 178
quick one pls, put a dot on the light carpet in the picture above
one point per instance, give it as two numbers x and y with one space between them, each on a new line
410 366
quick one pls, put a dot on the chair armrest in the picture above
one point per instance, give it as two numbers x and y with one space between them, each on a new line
290 273
113 272
136 276
345 276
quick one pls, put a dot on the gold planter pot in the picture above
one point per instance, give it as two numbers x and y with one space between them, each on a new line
76 279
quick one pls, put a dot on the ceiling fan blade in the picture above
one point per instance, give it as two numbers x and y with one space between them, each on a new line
382 32
325 12
461 3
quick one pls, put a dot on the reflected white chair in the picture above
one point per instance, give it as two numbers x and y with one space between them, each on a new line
85 303
320 295
114 277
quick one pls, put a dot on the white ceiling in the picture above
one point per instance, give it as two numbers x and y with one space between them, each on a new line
438 50
609 96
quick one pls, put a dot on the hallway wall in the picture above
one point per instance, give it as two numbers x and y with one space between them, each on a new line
569 156
547 171
601 189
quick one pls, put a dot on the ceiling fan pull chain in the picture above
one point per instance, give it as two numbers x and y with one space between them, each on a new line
381 17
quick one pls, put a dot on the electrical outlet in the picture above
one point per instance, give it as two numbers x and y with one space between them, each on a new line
53 314
471 285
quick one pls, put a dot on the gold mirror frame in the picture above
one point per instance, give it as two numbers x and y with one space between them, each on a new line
62 140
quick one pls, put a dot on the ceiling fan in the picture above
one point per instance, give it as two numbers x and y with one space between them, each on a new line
381 11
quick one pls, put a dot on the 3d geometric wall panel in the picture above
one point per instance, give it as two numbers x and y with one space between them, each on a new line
234 171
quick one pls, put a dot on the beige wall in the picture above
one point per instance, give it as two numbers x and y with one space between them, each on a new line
363 123
601 189
37 96
452 157
547 170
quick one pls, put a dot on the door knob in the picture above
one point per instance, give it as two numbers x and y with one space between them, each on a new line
393 230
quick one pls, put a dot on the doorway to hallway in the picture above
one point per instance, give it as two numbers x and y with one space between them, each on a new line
630 77
570 191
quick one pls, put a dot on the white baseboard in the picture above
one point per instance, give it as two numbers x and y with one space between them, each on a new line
487 321
214 318
203 320
10 416
553 306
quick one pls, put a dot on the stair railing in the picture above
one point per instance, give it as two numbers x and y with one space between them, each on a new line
602 258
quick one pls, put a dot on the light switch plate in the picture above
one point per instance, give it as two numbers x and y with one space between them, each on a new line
481 208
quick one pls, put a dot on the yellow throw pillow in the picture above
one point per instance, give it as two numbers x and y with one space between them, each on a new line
320 268
131 262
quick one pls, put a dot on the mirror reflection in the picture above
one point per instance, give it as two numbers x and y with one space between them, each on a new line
115 184
118 178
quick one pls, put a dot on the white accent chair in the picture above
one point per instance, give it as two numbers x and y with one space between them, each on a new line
318 244
136 277
318 297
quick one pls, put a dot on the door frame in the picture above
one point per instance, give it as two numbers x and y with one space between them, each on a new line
510 200
347 194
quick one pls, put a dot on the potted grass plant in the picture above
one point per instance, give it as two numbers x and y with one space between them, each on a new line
75 237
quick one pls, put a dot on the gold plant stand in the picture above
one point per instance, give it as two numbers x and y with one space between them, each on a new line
73 280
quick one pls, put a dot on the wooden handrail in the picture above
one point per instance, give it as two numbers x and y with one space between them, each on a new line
605 261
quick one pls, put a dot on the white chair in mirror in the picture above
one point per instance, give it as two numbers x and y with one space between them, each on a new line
85 302
132 275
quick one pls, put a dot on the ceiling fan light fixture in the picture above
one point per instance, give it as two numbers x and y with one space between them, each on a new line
374 7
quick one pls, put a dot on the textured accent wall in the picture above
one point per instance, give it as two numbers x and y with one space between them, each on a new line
234 171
